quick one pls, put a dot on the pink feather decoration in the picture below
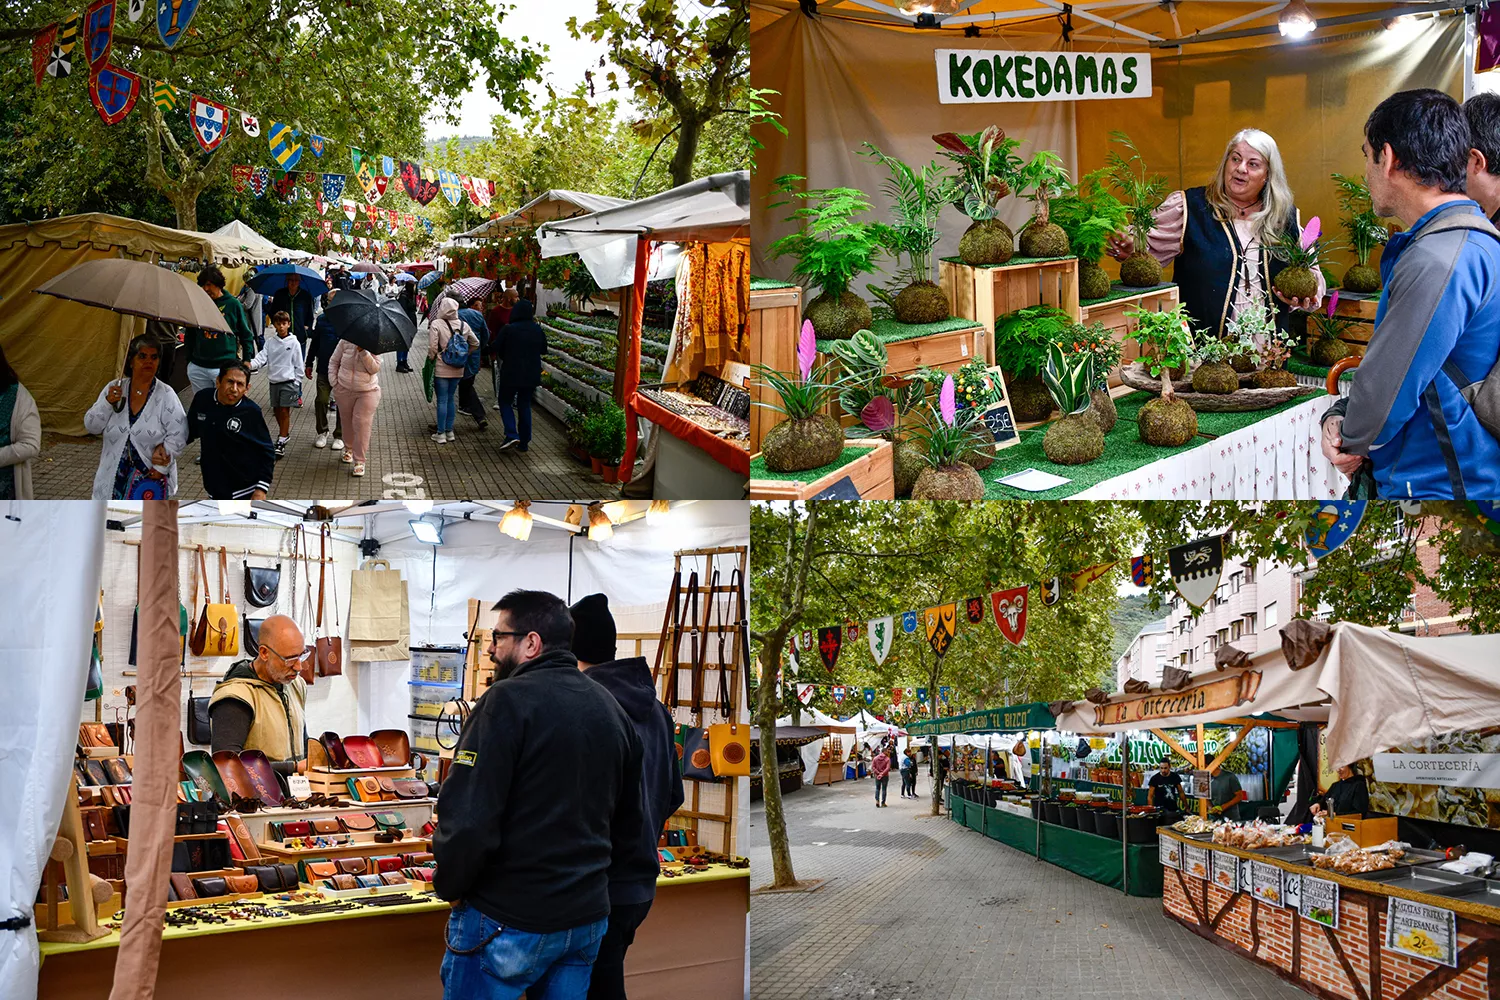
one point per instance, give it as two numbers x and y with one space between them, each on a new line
1333 302
1311 232
947 407
807 350
879 414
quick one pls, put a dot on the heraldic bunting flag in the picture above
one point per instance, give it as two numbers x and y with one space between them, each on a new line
942 626
881 632
1010 613
830 641
285 149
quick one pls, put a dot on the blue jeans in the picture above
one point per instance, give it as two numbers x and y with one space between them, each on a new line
518 419
446 390
881 784
488 961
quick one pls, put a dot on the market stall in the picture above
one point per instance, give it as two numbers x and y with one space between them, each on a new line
336 853
792 743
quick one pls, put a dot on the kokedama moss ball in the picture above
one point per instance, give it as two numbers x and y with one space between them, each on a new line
838 319
1074 440
1215 377
1140 271
809 443
1103 409
1168 423
982 456
987 242
1093 281
1362 278
1242 363
1296 283
908 461
1327 351
1044 241
1273 378
949 482
1029 400
921 302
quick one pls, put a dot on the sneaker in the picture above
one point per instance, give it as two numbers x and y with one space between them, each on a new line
338 443
403 367
509 442
321 441
198 459
483 424
359 470
280 450
347 457
440 438
452 437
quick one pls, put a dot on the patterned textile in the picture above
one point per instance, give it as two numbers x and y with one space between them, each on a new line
720 277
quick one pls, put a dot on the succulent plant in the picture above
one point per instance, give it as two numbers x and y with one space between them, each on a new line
1304 253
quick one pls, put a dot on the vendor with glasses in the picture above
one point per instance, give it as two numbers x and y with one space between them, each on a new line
260 703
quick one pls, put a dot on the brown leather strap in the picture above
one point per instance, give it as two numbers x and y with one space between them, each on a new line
725 706
741 627
322 575
337 625
668 619
203 571
696 646
223 574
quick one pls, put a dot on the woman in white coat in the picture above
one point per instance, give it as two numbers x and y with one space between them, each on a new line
144 429
20 435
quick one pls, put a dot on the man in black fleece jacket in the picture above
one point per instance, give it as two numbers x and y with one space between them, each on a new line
542 799
632 878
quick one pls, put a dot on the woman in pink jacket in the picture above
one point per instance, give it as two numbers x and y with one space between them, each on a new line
354 374
444 327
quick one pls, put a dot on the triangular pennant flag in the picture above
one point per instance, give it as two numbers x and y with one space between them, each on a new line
347 227
1010 613
285 187
1078 579
60 60
260 180
830 641
250 125
239 177
349 209
881 633
943 694
99 32
316 143
165 95
942 626
41 51
427 224
333 187
1196 568
376 190
285 149
1142 571
208 121
113 91
1333 525
838 694
173 18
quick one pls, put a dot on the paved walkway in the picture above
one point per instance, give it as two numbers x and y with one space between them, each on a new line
915 907
403 462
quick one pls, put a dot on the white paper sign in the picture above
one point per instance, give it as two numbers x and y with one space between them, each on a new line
1195 861
1224 867
1291 884
1265 883
1170 851
987 76
1320 901
1457 770
299 786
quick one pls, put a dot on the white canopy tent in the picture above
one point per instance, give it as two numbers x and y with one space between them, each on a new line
558 203
710 209
236 243
813 751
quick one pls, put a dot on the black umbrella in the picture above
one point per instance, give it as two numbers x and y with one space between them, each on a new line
379 327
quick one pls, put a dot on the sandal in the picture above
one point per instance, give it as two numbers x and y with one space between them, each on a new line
347 457
359 470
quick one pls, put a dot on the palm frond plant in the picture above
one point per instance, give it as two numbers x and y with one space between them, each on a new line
1366 231
1089 214
1304 253
809 438
1328 347
832 248
1075 437
1166 339
917 197
1142 192
948 436
1043 178
987 167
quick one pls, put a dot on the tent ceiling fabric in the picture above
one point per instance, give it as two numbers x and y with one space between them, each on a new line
710 209
110 232
236 243
558 203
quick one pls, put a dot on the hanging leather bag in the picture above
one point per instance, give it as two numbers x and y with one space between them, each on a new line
729 750
262 584
307 669
218 629
330 652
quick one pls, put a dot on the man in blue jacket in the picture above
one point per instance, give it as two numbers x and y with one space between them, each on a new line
632 878
1437 328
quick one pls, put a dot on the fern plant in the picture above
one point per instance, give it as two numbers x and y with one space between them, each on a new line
1022 337
917 197
1141 191
1363 226
1090 215
987 167
831 248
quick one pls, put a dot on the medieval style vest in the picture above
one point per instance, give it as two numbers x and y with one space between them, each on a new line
1209 267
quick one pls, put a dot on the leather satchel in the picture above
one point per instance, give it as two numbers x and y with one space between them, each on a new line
266 876
353 866
729 750
410 788
319 869
357 822
200 727
387 788
182 884
412 860
697 758
207 888
252 635
288 876
345 882
239 885
329 648
218 630
261 585
325 826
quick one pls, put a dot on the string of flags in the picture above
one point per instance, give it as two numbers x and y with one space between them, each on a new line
840 692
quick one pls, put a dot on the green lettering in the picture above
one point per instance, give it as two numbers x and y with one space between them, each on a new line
984 77
1023 77
1002 77
956 71
1109 78
1130 78
1062 76
1086 69
1043 78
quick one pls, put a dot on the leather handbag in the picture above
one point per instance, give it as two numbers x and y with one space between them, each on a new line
239 885
182 884
266 876
200 727
729 750
412 860
288 875
697 758
421 874
94 734
205 817
410 788
334 747
325 826
357 822
218 630
393 878
184 823
353 866
312 870
207 888
117 771
329 648
251 632
388 822
345 882
387 863
261 585
387 788
364 789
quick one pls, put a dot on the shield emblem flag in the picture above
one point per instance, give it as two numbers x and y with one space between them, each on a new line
974 610
1196 568
852 631
452 189
1333 525
285 149
316 143
387 166
943 694
41 51
880 633
942 626
869 696
805 692
805 641
285 188
98 32
250 125
260 180
113 92
165 95
896 694
239 177
60 59
908 622
1142 572
921 696
830 641
350 208
838 694
1051 591
468 186
208 121
376 190
135 9
1079 579
173 18
1010 613
409 178
333 187
482 189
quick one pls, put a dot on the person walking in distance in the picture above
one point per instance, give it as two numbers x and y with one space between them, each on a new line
908 775
354 374
880 770
282 355
324 340
210 350
450 342
519 345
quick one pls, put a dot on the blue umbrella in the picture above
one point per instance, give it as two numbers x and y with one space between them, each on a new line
404 276
427 279
270 280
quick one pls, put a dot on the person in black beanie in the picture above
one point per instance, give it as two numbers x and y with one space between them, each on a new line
632 878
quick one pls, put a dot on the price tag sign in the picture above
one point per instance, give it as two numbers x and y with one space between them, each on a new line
1170 851
1425 932
1195 860
1266 883
1320 901
299 786
1292 883
1225 870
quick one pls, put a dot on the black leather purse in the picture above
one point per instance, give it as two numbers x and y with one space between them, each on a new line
207 888
261 584
200 729
267 875
251 634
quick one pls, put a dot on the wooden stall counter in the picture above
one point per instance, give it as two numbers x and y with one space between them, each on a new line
866 463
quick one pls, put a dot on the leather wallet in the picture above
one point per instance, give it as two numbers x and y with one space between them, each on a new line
388 863
209 887
364 789
413 860
117 771
241 834
387 788
320 869
345 882
94 734
96 772
241 884
325 825
390 821
94 822
266 876
417 874
288 876
182 884
368 881
357 822
81 768
296 828
393 878
184 818
409 788
353 866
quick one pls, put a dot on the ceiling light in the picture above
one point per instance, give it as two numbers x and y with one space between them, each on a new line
1296 20
517 521
418 507
659 512
234 508
574 514
428 532
600 528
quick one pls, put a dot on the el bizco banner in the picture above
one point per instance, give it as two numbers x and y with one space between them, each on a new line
980 76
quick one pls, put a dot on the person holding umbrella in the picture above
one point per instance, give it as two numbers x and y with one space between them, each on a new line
367 328
238 457
144 429
292 287
408 300
254 304
210 350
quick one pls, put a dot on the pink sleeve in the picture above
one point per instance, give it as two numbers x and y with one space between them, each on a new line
1165 239
335 362
370 362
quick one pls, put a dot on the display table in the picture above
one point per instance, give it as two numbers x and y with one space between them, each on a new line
1351 961
948 344
692 944
691 463
866 462
828 772
1270 454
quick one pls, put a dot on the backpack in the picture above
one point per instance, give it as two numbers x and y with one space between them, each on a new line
456 353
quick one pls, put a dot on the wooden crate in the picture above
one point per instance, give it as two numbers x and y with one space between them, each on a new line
337 782
775 319
1359 306
984 294
1113 314
949 350
873 474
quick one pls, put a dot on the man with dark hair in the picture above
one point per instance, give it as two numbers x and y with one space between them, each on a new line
542 799
1437 329
297 302
238 457
210 350
632 877
1483 113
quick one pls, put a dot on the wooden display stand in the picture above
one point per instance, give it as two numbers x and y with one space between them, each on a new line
873 474
1359 306
948 350
984 294
68 864
1117 315
336 782
775 318
279 853
481 673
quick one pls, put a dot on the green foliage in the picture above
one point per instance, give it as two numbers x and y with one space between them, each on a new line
987 164
1043 178
917 196
863 359
1253 331
799 399
1099 343
603 432
1287 247
1333 327
1169 333
1089 214
973 386
1022 337
831 248
1142 192
1069 378
948 443
1366 230
757 102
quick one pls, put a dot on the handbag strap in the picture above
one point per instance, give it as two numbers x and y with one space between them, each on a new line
726 708
223 574
306 574
741 627
696 646
202 571
337 625
322 574
668 620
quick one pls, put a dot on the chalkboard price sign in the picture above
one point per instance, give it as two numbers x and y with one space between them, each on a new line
844 489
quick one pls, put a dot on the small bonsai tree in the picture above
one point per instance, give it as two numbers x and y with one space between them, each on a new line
1074 438
987 165
1142 193
948 436
1166 340
1365 229
1258 337
1090 215
1304 254
1021 340
1042 179
831 250
917 196
808 438
1099 344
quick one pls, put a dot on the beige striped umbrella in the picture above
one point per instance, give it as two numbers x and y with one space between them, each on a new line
137 288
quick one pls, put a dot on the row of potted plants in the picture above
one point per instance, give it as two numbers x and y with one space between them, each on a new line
600 355
602 337
609 323
596 433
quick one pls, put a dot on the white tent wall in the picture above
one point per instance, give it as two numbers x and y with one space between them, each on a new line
45 635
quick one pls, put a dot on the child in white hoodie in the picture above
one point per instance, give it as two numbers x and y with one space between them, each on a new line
282 354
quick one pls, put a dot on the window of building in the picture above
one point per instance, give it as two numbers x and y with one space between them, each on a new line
1235 627
1271 620
1249 574
1250 623
1224 636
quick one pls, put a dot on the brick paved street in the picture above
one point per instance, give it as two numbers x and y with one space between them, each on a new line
403 463
915 907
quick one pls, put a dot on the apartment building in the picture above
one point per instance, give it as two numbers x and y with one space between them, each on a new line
1146 656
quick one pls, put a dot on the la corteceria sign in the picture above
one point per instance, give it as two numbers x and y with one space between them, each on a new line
978 76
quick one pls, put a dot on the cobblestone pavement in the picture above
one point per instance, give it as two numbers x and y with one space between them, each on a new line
403 462
915 907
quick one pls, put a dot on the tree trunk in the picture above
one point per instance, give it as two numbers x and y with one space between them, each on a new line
688 133
937 780
192 176
767 706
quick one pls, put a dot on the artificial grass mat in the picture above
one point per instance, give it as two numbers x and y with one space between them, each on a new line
888 331
758 468
768 284
1300 364
1016 261
1118 291
1123 450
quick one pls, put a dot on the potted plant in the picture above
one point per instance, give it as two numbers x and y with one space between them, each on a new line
1090 215
1213 373
1166 340
917 196
808 438
987 163
1043 178
1098 343
1142 194
881 403
1258 336
576 423
974 389
1075 437
948 435
1366 232
610 441
831 249
1328 348
1303 254
1021 340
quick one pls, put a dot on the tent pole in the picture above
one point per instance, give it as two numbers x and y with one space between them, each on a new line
1125 813
633 360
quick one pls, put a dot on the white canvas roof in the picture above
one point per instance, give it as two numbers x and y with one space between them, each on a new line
710 209
557 203
236 243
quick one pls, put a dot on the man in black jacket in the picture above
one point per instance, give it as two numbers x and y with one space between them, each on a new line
238 456
542 799
519 345
632 878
